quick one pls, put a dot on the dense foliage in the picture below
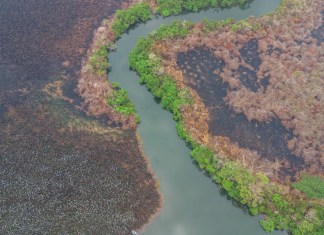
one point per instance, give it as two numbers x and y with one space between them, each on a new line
120 101
312 186
129 17
252 190
175 7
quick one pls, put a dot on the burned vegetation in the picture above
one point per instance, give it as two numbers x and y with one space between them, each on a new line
261 82
269 139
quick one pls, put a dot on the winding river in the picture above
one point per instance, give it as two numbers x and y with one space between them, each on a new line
193 204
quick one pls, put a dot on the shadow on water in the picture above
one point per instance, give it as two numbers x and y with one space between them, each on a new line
268 139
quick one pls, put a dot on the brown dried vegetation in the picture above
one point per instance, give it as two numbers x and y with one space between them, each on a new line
288 80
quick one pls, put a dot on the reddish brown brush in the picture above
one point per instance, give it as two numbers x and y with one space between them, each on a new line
291 58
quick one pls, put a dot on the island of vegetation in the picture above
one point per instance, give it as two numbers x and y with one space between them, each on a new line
247 97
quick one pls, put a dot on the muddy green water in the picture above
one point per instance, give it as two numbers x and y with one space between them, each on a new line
193 204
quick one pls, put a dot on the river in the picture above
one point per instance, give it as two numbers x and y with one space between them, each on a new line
193 204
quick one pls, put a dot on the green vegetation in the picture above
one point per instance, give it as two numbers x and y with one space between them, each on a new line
252 190
169 7
312 186
98 62
175 7
129 17
119 101
211 25
205 158
177 29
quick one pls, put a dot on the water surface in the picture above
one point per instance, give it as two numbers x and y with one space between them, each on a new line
193 204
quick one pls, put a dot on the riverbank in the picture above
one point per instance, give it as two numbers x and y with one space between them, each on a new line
160 202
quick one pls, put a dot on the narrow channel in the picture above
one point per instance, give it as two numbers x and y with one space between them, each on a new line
193 204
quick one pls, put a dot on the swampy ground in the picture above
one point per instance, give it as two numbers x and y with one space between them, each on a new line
65 172
62 171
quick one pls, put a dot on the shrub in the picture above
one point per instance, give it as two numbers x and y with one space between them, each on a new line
195 5
312 186
173 30
169 7
124 19
205 158
119 100
267 225
175 7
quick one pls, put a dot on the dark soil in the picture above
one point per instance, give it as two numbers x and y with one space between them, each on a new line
269 139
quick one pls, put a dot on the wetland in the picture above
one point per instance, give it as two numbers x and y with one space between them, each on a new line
71 162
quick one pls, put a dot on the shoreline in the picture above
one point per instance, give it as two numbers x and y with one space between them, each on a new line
94 88
150 170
